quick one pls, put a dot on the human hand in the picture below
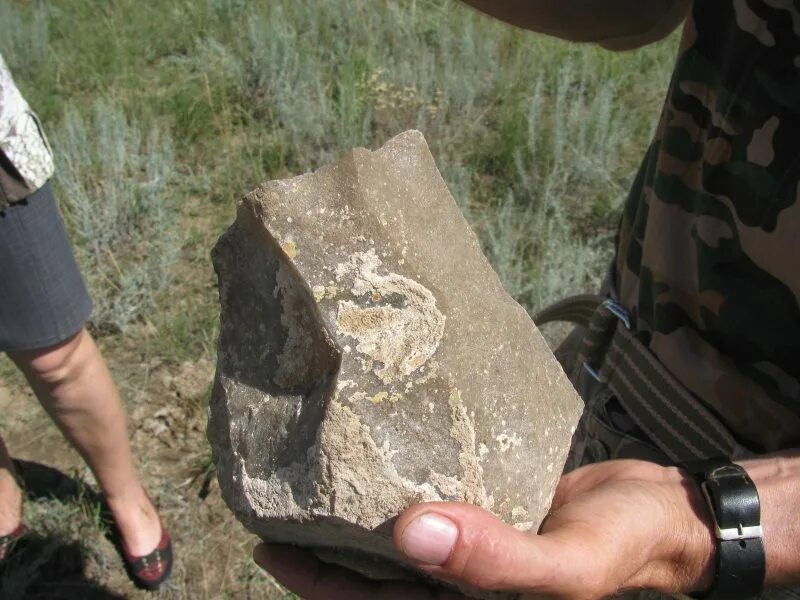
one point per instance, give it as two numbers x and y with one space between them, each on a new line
613 526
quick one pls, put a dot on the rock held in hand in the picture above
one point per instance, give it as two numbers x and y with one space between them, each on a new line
369 359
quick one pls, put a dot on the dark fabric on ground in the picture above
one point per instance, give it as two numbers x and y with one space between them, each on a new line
43 298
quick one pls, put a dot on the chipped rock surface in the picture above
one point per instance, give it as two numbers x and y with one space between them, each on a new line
369 359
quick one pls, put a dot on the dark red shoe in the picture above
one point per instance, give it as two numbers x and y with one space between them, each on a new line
7 542
150 571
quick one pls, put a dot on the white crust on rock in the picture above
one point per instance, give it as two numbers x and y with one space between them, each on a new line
400 337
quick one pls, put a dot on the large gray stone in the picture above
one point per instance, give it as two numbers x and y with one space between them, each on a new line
369 358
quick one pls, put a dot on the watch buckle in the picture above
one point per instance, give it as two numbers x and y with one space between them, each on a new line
741 532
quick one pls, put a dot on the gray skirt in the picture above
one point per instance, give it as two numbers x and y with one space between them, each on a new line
43 298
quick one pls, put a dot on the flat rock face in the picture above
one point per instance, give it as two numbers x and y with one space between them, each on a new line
369 358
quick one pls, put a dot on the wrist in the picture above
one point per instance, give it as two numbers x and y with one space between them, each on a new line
682 556
695 541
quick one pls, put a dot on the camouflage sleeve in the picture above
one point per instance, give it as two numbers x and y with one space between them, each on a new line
708 246
618 25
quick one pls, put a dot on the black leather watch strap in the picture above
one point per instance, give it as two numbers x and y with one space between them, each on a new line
733 501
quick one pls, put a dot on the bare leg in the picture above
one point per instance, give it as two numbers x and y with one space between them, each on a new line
75 387
10 494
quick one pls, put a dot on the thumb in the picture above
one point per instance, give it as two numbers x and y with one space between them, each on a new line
467 545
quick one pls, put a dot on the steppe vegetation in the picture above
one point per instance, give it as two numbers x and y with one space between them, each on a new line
163 112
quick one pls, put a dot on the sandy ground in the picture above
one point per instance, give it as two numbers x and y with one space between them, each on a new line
69 556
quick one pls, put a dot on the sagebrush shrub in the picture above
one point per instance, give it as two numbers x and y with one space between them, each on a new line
24 35
115 196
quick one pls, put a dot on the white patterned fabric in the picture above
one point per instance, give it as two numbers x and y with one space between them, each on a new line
21 137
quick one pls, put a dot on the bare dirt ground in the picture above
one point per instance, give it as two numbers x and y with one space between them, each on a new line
68 555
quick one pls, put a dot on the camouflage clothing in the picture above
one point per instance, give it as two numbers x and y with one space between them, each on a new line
26 161
709 245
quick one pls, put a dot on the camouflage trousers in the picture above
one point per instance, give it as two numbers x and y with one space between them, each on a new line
607 432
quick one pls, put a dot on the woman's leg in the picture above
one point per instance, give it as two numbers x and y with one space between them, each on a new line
73 384
10 494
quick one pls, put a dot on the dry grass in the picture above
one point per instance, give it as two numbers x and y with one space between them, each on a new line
164 112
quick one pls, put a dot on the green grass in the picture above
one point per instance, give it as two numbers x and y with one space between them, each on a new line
117 181
547 133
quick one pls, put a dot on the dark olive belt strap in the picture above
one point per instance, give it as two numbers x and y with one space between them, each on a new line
677 422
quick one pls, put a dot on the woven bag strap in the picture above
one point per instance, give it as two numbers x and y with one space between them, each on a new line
674 419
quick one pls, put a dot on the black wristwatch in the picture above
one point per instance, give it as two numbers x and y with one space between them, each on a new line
733 501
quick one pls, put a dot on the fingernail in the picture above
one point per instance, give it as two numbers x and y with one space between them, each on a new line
430 539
